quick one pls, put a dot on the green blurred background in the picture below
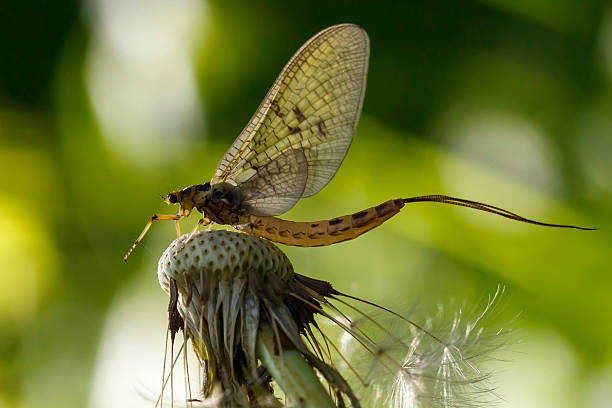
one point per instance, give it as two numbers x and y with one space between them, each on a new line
105 104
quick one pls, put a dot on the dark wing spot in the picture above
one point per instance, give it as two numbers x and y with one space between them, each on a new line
321 128
294 130
335 221
276 109
298 114
314 225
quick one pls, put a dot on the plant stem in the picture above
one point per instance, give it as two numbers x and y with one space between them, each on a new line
292 373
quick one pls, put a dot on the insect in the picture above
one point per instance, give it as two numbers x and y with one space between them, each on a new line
292 147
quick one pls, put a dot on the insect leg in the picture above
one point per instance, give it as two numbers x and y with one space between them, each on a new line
202 221
178 228
155 217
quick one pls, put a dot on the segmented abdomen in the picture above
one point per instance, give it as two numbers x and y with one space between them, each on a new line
327 232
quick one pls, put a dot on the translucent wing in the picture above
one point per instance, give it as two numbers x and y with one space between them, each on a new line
276 187
313 107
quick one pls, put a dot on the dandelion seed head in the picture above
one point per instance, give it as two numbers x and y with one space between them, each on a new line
225 255
233 289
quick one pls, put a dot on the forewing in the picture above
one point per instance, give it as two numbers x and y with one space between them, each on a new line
276 187
313 106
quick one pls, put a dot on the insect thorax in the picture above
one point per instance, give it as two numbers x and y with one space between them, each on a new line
223 204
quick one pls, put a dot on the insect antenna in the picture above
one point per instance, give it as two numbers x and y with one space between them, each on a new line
444 199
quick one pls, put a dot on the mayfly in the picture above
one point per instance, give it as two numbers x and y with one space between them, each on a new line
292 147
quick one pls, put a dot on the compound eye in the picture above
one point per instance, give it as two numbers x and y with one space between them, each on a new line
172 198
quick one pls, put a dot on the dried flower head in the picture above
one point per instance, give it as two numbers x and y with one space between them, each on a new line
251 321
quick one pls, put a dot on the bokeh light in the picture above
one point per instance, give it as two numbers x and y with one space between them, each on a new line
140 60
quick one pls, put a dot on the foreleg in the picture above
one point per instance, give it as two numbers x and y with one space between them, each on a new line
155 217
